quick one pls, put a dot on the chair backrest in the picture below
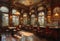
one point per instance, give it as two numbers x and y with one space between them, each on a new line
47 28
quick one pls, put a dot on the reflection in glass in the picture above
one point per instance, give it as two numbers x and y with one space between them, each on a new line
41 19
15 20
5 20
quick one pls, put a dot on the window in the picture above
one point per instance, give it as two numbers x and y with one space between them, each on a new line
5 20
4 9
5 16
15 17
25 19
41 19
15 12
32 19
15 20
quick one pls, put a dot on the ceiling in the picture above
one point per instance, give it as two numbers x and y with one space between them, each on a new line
27 2
4 0
32 2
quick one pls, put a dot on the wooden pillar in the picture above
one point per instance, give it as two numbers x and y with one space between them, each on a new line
10 13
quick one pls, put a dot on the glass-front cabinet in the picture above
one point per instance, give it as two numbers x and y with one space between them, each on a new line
15 20
5 19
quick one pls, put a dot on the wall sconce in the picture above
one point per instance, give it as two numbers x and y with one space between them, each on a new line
56 15
25 15
17 13
10 17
